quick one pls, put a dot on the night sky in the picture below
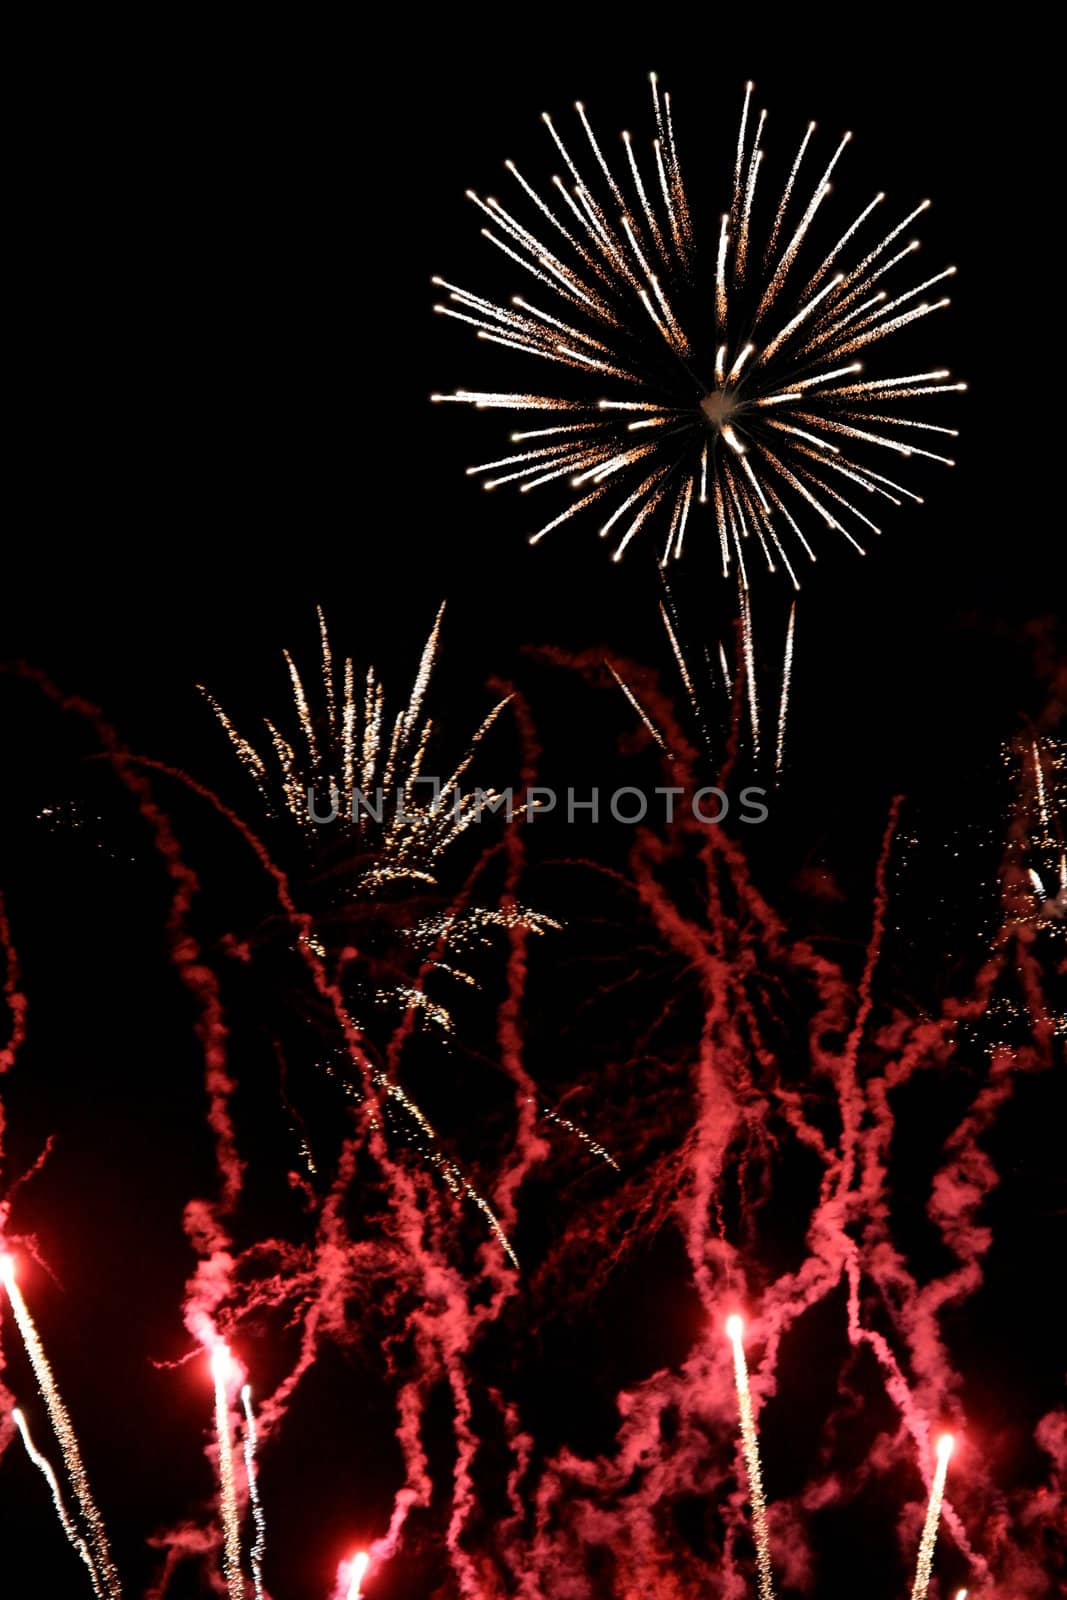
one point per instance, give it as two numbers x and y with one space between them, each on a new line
225 353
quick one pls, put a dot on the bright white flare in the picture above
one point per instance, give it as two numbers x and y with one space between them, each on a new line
63 1428
628 288
224 1373
360 1563
928 1541
750 1444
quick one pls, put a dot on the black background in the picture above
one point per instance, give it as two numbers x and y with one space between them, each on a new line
221 417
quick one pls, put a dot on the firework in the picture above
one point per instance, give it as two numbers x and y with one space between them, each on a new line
750 1445
223 1373
354 783
783 704
704 377
366 772
1037 854
933 1517
259 1543
44 1466
355 1575
95 1534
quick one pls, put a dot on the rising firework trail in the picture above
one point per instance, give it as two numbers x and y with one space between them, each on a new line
355 1576
259 1542
63 1428
933 1517
750 1446
44 1466
766 418
223 1373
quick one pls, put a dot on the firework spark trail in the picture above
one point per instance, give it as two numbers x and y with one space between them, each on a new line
259 1543
670 624
783 705
924 1569
63 1428
222 1372
705 418
44 1466
750 669
750 1443
637 706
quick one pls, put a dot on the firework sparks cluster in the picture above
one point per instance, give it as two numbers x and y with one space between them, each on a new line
725 373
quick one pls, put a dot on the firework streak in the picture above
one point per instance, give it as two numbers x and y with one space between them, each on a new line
105 1576
764 420
750 1444
222 1372
44 1466
928 1541
259 1543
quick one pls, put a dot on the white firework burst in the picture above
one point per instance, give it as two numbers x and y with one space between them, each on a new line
721 373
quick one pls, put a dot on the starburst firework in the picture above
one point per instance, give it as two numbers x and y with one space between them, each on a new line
373 824
705 372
